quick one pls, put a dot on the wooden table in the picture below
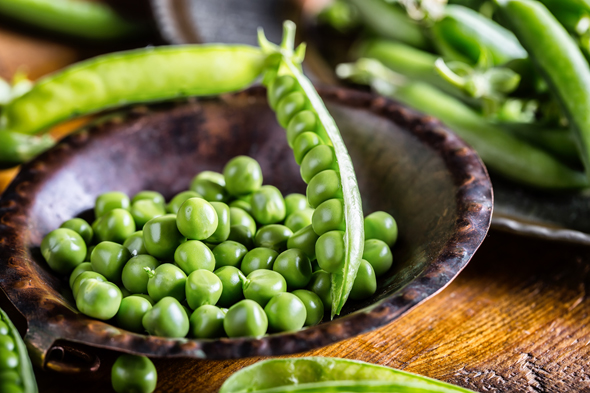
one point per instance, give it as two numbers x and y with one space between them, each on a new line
516 319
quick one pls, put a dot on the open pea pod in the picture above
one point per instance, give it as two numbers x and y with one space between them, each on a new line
320 374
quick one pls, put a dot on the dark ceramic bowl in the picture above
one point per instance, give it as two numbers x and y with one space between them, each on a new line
406 164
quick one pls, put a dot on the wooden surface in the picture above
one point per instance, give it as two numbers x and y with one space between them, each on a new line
516 320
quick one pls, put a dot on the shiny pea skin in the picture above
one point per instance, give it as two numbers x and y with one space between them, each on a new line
329 216
241 217
81 227
144 210
8 360
109 201
134 374
280 87
3 328
318 159
7 342
295 267
258 258
167 318
303 144
115 226
324 186
381 225
229 253
203 288
245 319
207 322
243 175
244 205
378 254
231 281
197 219
304 239
108 259
313 306
299 219
193 255
285 313
81 268
63 249
166 280
134 244
321 285
289 106
134 276
131 312
241 234
97 299
329 250
177 201
365 283
223 223
304 121
268 205
153 196
211 185
262 285
295 202
84 277
273 236
161 237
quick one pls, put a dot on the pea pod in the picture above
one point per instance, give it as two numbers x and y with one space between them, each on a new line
17 148
331 154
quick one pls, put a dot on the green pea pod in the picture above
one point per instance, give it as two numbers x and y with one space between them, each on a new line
569 12
142 75
19 358
320 374
289 69
560 62
17 148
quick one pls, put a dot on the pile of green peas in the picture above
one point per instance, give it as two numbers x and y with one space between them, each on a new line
228 257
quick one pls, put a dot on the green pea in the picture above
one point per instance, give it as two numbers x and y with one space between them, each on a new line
295 267
194 255
203 287
305 240
382 226
262 285
63 249
83 277
167 318
329 216
273 236
197 219
321 285
268 205
144 210
9 387
241 217
207 322
109 201
223 223
153 196
330 252
108 259
8 359
318 159
166 280
289 106
365 283
81 268
241 234
378 254
211 185
115 226
324 186
245 319
134 374
285 313
303 144
146 297
3 328
299 219
81 227
243 175
302 122
229 253
97 299
135 244
313 306
295 202
244 205
179 199
231 281
161 237
279 88
258 258
131 312
7 342
134 276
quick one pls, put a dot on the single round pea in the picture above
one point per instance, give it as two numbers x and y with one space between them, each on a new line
97 299
273 236
329 250
318 159
299 219
153 196
135 245
382 226
161 237
223 223
279 88
313 306
108 259
131 312
179 199
241 217
304 239
321 285
203 287
207 322
378 254
262 285
197 219
63 249
231 281
81 268
289 106
268 205
295 202
9 359
109 201
166 280
304 143
211 185
329 216
229 253
3 328
241 234
365 283
258 258
324 186
84 277
167 318
300 123
245 319
285 313
144 210
244 205
81 227
193 255
7 342
295 267
243 175
134 374
115 226
134 276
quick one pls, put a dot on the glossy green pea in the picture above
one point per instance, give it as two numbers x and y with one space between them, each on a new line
108 259
285 313
313 306
241 217
245 319
258 258
6 342
179 199
207 322
231 281
329 216
378 254
273 236
318 159
144 210
289 106
97 299
193 255
262 285
134 374
135 245
295 202
295 267
299 219
329 250
223 223
280 87
167 318
153 196
324 186
203 288
321 285
365 283
241 234
115 226
81 227
81 268
3 328
229 253
211 185
304 143
268 205
382 226
161 237
84 277
146 297
244 205
304 239
243 175
197 219
135 278
304 121
63 249
131 312
109 201
166 280
8 360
